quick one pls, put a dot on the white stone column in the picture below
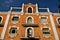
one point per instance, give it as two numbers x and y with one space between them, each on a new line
54 28
5 26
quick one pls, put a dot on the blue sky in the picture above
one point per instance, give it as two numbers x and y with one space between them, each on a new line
51 4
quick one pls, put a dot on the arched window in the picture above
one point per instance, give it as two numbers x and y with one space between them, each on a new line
29 32
59 20
1 19
29 10
29 20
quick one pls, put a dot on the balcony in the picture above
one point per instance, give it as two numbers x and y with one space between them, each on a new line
30 24
29 38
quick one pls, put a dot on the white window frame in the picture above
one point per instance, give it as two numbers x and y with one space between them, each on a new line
57 20
44 35
15 16
13 35
46 19
26 31
1 20
27 10
32 19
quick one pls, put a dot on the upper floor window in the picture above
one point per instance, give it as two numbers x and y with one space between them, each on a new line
59 20
29 20
44 20
15 19
1 19
29 10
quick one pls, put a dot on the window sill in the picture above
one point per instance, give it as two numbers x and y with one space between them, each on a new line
46 35
12 35
44 23
15 22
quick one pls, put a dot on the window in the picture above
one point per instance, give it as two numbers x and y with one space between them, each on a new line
58 20
46 32
29 10
44 20
0 19
29 32
13 32
29 20
15 19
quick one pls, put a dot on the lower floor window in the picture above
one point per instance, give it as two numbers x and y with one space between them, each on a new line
13 32
29 32
46 32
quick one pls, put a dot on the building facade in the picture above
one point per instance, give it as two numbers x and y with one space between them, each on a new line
29 24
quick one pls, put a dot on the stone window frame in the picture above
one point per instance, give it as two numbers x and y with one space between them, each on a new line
45 35
11 35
